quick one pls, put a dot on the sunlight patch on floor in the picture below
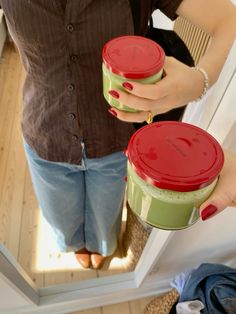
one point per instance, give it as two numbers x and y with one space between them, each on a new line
49 258
48 255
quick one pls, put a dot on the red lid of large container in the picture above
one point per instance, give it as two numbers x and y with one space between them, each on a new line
175 156
133 57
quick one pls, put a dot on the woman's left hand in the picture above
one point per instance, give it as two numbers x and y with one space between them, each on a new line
180 85
224 194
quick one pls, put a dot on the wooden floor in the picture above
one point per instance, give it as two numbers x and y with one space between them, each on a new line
22 230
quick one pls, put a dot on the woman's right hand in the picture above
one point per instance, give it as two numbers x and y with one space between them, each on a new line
224 194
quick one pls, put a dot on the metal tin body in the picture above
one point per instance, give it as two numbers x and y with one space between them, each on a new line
164 209
173 168
132 58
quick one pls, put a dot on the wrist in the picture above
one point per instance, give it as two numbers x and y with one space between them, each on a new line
205 81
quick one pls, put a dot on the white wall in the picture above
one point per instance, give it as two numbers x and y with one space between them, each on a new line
210 241
162 21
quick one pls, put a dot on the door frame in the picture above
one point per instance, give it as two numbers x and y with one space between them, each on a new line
15 277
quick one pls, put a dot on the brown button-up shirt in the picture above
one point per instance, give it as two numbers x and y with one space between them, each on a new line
60 44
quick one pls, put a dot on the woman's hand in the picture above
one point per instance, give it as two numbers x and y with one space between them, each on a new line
180 85
225 192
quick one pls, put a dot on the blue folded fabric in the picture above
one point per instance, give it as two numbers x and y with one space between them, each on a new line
214 285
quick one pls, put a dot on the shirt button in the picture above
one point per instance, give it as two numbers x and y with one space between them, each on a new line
73 58
71 87
70 28
71 116
74 138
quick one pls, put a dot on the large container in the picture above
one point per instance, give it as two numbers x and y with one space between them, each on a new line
172 169
132 58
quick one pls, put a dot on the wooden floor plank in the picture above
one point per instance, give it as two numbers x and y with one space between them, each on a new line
117 309
12 164
29 234
138 306
92 311
10 70
132 307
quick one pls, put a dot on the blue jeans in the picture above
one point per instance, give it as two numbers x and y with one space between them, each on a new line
82 203
214 285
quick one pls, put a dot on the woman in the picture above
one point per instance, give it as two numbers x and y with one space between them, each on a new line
73 145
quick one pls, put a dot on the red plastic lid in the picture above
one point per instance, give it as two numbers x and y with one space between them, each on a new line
133 57
175 156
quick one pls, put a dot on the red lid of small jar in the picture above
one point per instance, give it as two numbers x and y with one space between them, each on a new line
175 156
133 57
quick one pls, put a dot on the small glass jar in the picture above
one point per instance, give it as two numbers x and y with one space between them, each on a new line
132 58
173 168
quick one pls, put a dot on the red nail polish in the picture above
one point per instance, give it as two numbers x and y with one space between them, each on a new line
125 179
125 152
128 86
112 112
208 211
114 94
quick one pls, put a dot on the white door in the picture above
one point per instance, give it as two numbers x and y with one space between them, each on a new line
18 293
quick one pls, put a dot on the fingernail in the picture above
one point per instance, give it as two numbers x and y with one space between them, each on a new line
125 179
112 112
114 94
125 152
128 86
208 211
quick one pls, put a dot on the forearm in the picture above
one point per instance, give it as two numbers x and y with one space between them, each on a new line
181 84
221 27
217 53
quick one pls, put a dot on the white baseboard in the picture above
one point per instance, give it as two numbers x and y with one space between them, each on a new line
3 32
